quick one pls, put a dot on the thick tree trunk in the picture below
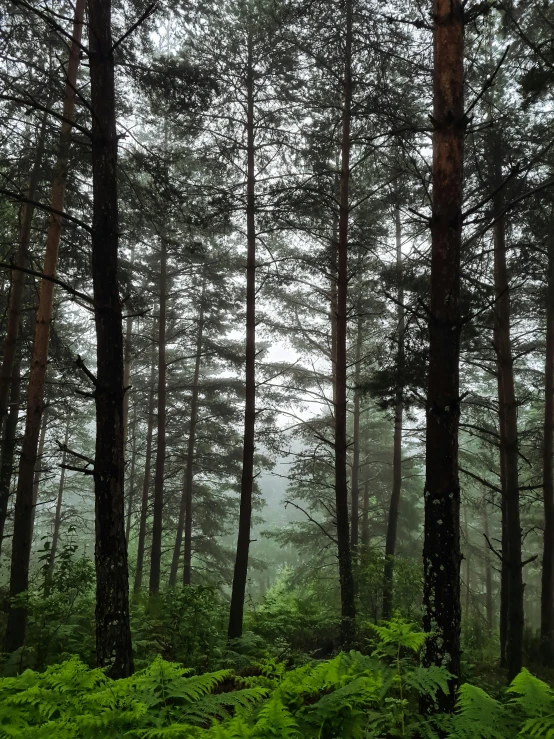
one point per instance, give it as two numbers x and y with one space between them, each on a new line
57 516
156 552
348 610
247 480
509 438
392 522
24 504
355 530
185 511
441 549
547 582
141 545
113 634
18 277
8 448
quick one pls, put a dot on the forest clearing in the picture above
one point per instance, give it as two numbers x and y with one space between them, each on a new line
277 369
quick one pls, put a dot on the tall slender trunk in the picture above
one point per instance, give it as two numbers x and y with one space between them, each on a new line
24 505
141 545
348 610
156 552
131 493
504 577
467 568
547 581
247 480
18 277
58 515
488 572
355 529
365 517
509 439
38 468
185 511
113 634
392 523
441 549
8 448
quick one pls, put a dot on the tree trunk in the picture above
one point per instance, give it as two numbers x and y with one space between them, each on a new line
8 448
467 568
509 439
441 549
38 469
547 582
348 610
488 572
113 634
156 552
247 480
185 512
18 277
58 516
355 530
147 464
392 523
24 504
131 494
365 517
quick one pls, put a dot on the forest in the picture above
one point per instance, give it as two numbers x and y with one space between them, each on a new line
277 369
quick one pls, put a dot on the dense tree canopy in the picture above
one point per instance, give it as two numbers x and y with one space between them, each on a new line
277 363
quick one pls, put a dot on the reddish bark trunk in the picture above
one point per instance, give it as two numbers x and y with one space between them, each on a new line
441 549
18 277
24 503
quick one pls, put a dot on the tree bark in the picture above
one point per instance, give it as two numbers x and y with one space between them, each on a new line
365 517
8 448
547 580
441 549
355 494
147 465
348 610
24 504
488 572
467 568
185 512
509 437
57 516
18 277
113 634
38 468
131 494
156 552
240 573
392 523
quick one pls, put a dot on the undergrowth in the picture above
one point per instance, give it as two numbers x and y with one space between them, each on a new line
351 696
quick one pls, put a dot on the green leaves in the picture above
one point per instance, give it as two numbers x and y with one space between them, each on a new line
352 696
